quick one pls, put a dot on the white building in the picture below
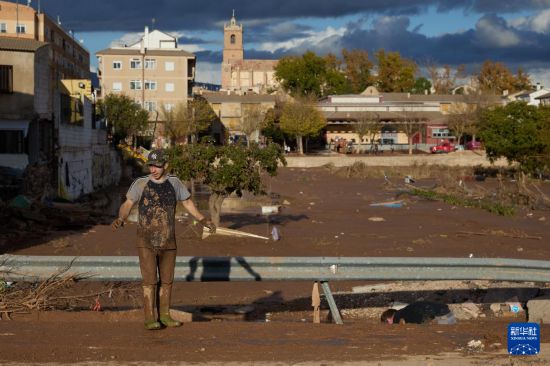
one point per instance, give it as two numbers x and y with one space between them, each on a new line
531 97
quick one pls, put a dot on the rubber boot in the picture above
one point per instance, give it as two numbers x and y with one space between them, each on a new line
149 300
164 307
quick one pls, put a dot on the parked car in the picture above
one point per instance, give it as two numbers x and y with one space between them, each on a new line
473 145
442 148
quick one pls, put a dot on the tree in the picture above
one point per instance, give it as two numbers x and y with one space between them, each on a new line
422 86
518 132
301 75
252 120
522 80
395 74
464 116
272 128
444 78
367 124
226 169
410 125
495 77
126 117
300 118
358 70
310 75
186 120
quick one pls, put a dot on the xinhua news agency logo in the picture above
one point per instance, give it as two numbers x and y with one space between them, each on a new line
523 339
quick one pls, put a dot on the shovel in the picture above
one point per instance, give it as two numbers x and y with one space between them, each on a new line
230 232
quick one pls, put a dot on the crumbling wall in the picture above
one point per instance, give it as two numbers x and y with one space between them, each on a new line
106 169
75 156
86 162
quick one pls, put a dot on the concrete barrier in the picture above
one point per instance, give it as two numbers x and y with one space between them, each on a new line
459 158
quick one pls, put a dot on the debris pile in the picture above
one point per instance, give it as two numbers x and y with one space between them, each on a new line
26 218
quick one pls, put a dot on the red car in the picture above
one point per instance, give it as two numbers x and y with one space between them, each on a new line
443 148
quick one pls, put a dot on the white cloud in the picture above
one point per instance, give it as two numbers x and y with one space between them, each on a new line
193 48
540 75
314 40
391 24
493 31
539 22
127 39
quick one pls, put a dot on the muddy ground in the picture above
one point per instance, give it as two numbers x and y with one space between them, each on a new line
322 215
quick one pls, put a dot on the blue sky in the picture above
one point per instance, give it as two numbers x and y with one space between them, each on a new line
444 31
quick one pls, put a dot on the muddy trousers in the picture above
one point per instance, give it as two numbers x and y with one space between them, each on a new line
157 267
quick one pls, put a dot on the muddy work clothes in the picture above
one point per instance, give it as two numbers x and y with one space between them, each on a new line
157 210
150 260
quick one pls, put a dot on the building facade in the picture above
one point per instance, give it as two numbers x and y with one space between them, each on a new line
155 72
26 131
231 109
68 58
240 74
392 110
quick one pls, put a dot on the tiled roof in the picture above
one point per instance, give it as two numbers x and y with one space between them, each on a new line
20 44
137 52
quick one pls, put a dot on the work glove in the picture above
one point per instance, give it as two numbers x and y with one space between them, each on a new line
208 224
117 223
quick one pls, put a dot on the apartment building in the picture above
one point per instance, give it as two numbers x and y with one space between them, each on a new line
68 58
153 71
25 108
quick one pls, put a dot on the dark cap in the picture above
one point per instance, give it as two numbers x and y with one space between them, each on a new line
157 158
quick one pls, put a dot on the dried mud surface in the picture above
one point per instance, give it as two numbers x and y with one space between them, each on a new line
322 215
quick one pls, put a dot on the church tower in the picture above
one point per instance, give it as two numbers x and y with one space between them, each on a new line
233 52
233 41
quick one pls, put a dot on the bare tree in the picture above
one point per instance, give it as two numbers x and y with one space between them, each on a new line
410 125
444 78
252 120
368 124
186 120
463 116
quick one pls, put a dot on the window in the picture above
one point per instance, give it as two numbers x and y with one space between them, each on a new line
135 84
117 86
232 39
135 63
150 63
12 142
169 66
21 28
6 79
150 85
168 107
150 106
117 65
441 132
169 87
3 28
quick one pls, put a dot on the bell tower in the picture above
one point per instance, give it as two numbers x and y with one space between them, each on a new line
232 41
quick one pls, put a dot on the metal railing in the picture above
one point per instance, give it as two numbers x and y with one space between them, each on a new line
318 269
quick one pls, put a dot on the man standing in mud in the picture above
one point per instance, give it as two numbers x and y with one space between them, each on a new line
157 195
